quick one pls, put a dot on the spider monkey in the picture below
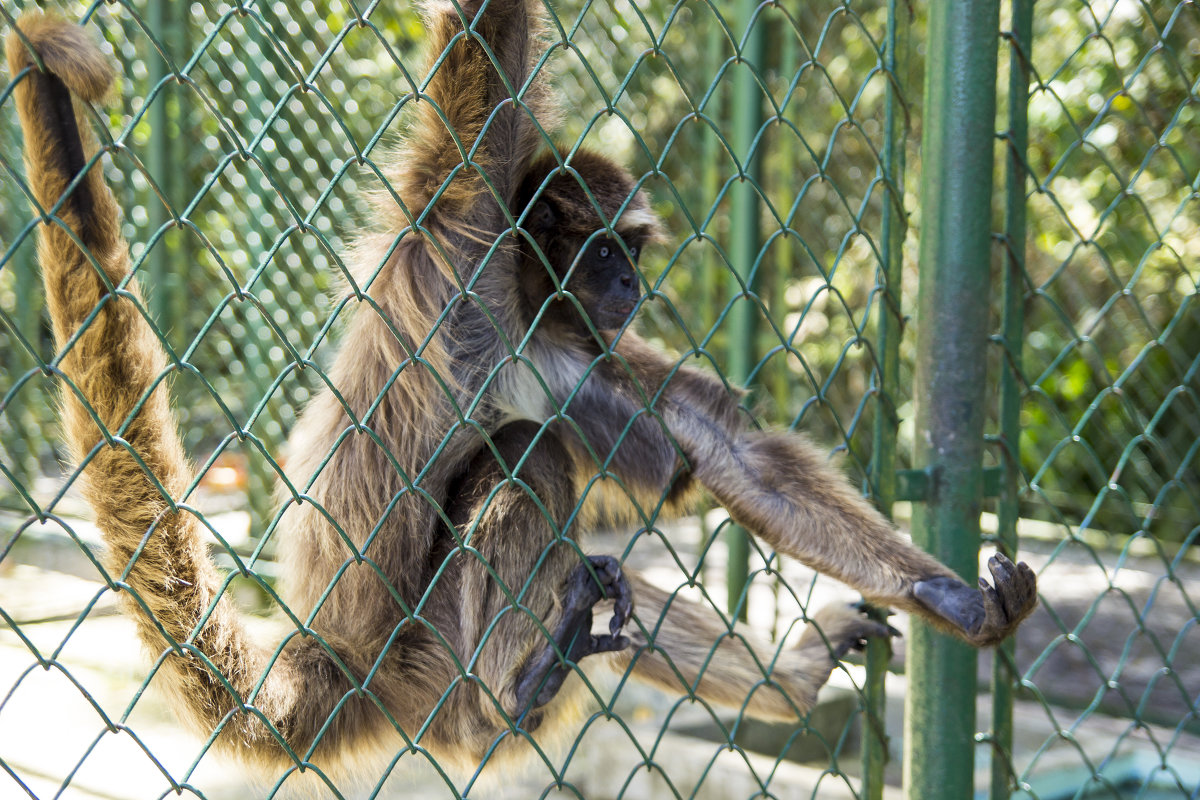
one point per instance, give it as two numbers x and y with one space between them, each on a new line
486 385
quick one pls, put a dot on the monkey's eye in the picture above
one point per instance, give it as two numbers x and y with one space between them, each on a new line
604 251
633 251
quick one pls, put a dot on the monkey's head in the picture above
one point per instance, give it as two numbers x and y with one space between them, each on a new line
590 223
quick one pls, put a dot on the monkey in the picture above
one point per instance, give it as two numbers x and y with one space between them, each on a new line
490 402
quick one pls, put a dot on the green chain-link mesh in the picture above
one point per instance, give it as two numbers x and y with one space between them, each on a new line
784 268
1108 367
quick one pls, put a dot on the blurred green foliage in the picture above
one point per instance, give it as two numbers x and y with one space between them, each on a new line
272 134
261 124
1112 415
247 135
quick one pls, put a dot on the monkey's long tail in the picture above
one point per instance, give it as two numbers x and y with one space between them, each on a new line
112 362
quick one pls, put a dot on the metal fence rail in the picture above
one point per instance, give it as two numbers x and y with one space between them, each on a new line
1004 321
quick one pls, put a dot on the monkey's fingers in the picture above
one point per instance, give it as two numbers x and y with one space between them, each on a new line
856 638
621 615
615 588
622 607
609 644
993 606
1016 586
838 629
872 610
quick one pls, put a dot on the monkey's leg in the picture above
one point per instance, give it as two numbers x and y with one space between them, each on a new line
518 578
680 644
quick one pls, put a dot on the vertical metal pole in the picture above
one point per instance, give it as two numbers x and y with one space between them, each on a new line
26 414
883 463
745 245
713 159
952 304
1020 50
255 342
159 16
784 167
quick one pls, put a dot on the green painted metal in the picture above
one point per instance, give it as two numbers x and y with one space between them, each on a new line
163 164
884 484
951 378
711 178
1004 672
284 107
917 485
712 266
746 119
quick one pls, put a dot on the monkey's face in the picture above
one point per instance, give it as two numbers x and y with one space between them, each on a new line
598 269
605 280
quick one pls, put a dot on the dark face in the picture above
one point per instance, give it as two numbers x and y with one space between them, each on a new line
600 271
605 280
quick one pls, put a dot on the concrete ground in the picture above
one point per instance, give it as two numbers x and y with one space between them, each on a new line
76 724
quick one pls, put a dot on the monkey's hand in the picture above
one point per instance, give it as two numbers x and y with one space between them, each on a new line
987 615
544 673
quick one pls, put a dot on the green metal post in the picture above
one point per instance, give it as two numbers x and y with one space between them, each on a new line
1020 48
783 158
952 303
883 463
745 246
256 342
27 416
713 159
160 163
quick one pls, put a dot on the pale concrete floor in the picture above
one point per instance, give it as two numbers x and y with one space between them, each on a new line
53 719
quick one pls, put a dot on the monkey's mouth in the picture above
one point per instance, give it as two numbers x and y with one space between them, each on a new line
613 317
620 313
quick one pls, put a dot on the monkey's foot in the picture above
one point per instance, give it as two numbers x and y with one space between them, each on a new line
544 673
987 615
844 628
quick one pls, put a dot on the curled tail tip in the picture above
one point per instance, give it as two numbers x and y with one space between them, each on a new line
67 51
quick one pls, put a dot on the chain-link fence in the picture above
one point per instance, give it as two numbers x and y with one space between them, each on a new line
776 143
1100 254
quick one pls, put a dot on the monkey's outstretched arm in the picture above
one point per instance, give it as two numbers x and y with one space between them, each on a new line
783 489
111 361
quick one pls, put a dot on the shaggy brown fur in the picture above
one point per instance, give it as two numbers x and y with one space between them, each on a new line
430 534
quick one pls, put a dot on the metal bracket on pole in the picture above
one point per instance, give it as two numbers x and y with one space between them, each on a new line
919 485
